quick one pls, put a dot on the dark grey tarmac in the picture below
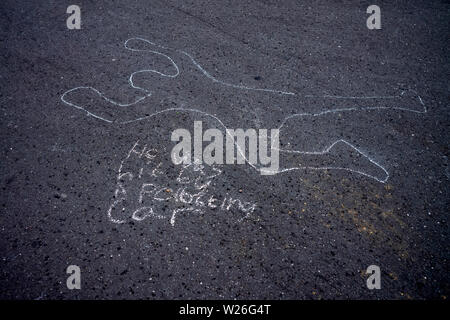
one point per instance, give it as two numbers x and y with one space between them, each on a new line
313 233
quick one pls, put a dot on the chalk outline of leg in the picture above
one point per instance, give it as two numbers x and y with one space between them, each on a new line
148 93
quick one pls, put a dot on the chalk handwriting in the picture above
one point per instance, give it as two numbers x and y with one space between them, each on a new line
149 193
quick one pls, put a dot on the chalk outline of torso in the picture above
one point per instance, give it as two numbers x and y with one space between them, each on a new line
148 93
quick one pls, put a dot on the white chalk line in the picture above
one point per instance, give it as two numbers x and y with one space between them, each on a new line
242 87
327 150
208 75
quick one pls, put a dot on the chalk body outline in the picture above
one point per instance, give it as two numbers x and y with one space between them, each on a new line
148 93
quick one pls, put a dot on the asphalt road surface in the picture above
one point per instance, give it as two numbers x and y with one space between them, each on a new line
86 171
